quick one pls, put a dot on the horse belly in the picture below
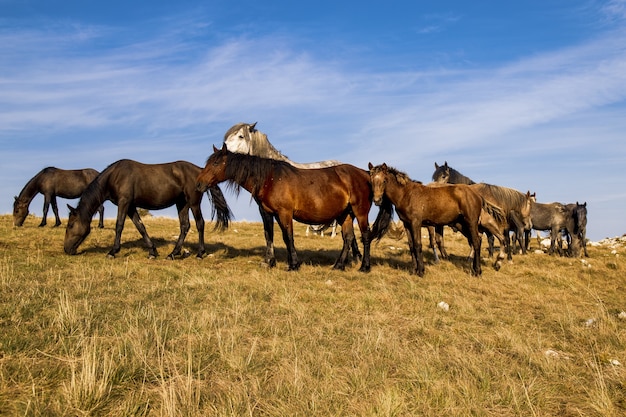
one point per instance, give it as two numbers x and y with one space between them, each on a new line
319 208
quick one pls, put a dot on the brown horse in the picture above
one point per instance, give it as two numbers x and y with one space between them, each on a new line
310 196
52 183
515 204
131 185
417 205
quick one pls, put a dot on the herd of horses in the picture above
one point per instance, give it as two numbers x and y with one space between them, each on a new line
319 194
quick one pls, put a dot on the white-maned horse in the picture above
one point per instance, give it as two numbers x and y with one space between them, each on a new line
245 138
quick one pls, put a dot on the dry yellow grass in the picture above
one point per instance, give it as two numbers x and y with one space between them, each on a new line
87 335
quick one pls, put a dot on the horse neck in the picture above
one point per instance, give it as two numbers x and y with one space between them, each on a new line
31 188
458 178
249 171
93 196
261 146
394 190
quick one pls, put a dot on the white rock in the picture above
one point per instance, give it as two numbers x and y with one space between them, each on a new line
443 305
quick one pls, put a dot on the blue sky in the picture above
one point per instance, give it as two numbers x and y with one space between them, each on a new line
530 95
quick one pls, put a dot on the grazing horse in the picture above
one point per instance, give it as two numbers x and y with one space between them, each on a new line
311 196
52 183
417 205
131 185
516 205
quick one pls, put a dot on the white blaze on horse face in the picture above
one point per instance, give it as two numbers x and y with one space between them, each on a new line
238 142
378 186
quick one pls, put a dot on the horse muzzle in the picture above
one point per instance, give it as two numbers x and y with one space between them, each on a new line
201 187
378 200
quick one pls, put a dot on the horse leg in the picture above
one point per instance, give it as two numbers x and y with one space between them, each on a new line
55 210
507 244
122 211
101 212
356 253
553 236
476 243
286 225
432 242
197 215
490 245
46 205
414 230
474 238
440 243
347 234
134 216
268 229
490 226
364 227
183 219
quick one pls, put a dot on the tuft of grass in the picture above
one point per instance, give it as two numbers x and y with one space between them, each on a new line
225 335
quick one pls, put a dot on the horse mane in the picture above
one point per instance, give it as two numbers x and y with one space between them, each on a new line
242 168
401 177
259 144
510 196
31 188
94 195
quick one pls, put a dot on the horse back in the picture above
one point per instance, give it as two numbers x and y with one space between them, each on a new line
445 202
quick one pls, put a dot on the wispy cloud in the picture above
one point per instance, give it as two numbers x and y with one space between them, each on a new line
172 91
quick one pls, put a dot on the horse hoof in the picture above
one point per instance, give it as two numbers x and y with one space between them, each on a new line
169 257
365 269
110 256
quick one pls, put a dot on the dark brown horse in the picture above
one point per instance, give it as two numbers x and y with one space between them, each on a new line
310 196
52 183
131 185
417 205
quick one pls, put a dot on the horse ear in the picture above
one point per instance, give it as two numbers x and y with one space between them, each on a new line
445 164
253 125
436 165
16 198
71 209
384 166
224 148
215 149
370 166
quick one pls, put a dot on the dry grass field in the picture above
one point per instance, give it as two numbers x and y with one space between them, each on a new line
226 336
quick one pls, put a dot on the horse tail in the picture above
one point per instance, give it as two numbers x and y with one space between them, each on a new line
220 212
495 211
383 220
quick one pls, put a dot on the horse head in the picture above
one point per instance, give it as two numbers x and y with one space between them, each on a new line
238 138
378 179
77 230
442 173
20 211
213 171
526 209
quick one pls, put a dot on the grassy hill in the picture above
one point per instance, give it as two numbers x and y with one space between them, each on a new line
87 335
